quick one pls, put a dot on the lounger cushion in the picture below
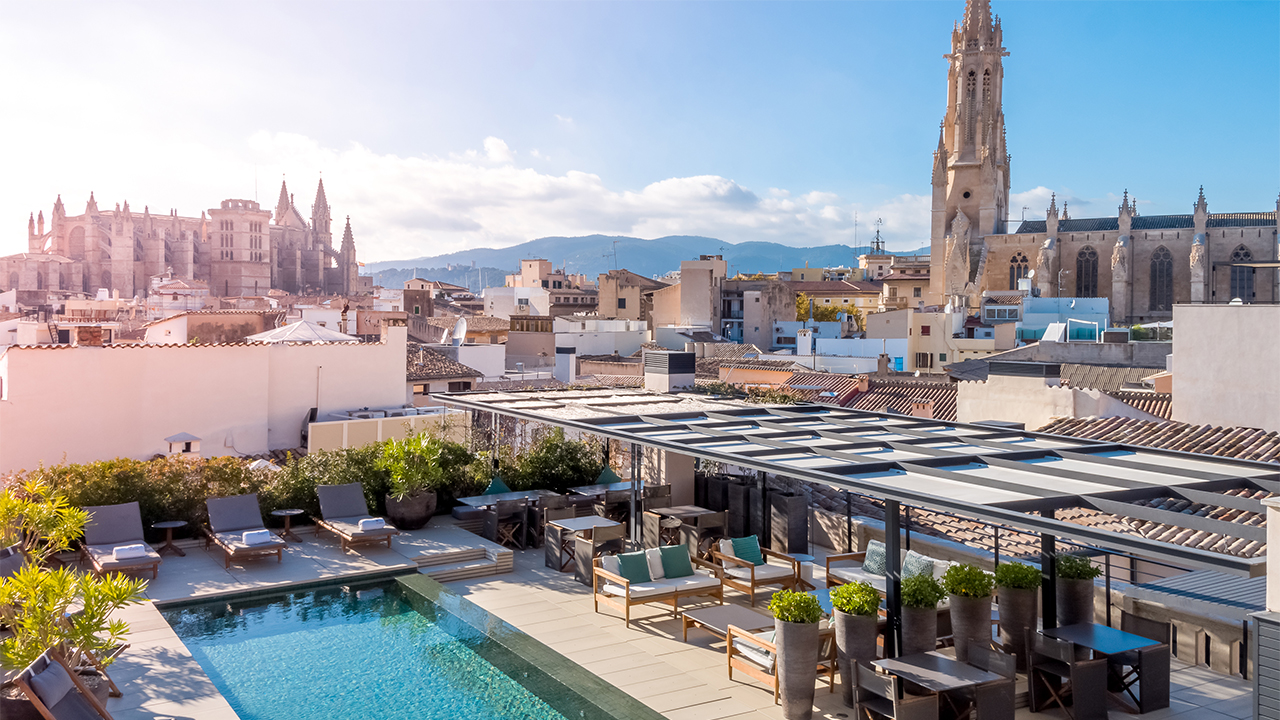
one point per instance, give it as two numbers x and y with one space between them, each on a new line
638 590
763 572
235 542
341 501
755 653
856 573
940 568
230 514
103 557
51 684
74 707
113 524
349 527
916 564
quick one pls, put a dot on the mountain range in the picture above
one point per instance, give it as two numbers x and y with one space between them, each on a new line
594 254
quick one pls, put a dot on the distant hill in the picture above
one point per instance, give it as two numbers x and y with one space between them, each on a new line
594 254
477 278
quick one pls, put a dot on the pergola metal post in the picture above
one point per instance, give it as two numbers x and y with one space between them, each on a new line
848 521
496 443
636 482
762 485
893 579
1049 575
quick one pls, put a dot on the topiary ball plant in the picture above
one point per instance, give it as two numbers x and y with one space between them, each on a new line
856 598
967 581
921 591
1017 576
795 607
1077 567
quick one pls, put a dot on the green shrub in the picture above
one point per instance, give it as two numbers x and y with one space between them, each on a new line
921 591
967 581
1018 576
795 607
1077 567
856 598
556 463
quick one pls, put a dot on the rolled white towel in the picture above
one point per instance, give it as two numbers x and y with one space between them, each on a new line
372 523
258 537
126 552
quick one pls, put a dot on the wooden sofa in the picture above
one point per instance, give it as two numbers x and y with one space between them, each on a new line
615 591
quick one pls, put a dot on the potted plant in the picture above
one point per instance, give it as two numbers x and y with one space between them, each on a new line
796 616
920 597
1075 589
856 606
970 590
414 474
1016 585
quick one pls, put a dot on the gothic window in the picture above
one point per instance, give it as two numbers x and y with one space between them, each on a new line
986 87
1087 272
1242 277
1018 268
1161 280
970 96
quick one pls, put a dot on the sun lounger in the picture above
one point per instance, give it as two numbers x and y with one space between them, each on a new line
229 519
113 540
56 692
342 507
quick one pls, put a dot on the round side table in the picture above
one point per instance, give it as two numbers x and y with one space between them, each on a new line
806 567
287 514
168 526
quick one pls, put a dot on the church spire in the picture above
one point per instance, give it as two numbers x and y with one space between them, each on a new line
348 241
282 205
322 203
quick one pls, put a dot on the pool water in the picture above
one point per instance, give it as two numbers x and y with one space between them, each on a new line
368 651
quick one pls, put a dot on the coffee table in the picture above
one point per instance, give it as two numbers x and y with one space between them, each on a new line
288 514
717 619
168 526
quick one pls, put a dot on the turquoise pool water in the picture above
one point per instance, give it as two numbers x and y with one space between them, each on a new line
369 651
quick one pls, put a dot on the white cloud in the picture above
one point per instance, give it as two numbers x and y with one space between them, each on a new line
497 150
565 120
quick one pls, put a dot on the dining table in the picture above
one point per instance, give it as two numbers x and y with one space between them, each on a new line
597 490
560 550
684 512
954 681
486 500
1150 663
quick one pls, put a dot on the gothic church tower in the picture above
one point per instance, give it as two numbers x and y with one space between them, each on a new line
971 165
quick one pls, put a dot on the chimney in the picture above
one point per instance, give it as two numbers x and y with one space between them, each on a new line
922 408
567 364
864 383
882 365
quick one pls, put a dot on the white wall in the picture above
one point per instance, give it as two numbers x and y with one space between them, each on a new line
601 337
82 404
488 359
503 302
829 363
861 347
1035 402
1227 365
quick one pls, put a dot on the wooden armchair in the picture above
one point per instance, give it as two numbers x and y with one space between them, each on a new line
756 656
746 576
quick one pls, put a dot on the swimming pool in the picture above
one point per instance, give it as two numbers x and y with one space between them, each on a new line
393 649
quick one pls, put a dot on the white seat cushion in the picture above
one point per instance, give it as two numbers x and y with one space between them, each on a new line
638 590
755 653
689 583
855 573
763 572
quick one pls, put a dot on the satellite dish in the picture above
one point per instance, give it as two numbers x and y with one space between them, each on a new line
1031 274
459 331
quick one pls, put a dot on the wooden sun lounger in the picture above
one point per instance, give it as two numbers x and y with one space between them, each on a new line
229 519
342 507
109 527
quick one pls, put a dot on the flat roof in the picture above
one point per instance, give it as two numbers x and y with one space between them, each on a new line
999 475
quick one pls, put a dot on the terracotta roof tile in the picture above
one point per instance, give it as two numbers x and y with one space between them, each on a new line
824 388
425 363
1235 442
1151 403
897 396
475 323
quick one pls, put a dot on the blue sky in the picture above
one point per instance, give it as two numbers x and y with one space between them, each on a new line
440 126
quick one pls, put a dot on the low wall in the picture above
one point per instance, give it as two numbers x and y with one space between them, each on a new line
340 434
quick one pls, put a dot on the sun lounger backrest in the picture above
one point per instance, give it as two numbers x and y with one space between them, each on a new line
113 524
11 559
341 501
240 512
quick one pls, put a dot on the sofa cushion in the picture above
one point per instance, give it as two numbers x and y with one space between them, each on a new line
696 581
755 653
940 568
857 574
748 548
763 572
675 561
654 558
916 564
609 563
874 561
634 566
725 547
638 590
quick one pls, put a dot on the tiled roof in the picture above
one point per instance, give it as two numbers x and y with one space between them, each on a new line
974 369
10 316
758 364
905 276
475 323
1102 377
734 350
833 287
425 363
897 396
630 381
824 388
1151 403
1151 222
708 368
998 298
189 313
648 346
630 279
1236 442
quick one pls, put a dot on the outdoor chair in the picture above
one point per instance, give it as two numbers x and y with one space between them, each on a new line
615 505
342 510
756 656
539 514
113 540
650 528
656 496
703 533
993 700
1150 665
11 560
56 692
508 523
231 520
554 537
1056 677
745 575
880 695
603 540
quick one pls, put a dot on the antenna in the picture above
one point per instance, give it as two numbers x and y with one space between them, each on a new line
459 331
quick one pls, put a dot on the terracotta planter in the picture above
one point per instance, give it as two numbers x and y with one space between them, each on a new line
855 643
1017 613
919 630
970 620
1075 601
413 511
797 659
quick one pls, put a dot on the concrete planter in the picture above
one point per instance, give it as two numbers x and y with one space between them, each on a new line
855 643
919 630
412 512
1017 612
970 620
789 524
797 661
1075 601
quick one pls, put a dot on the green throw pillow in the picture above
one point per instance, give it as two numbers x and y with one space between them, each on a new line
634 567
916 564
748 548
874 562
675 561
608 477
496 486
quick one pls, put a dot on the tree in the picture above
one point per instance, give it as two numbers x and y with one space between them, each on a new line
821 312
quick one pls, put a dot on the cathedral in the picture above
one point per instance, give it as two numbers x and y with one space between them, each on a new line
238 248
1144 265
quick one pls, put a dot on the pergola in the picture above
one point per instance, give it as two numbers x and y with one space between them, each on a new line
984 472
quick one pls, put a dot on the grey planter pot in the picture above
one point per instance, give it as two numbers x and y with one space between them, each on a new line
1075 601
1017 613
855 643
970 620
412 512
797 661
919 630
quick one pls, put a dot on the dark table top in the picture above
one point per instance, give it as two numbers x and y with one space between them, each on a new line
287 511
682 511
585 522
937 672
169 524
1100 638
601 489
486 500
